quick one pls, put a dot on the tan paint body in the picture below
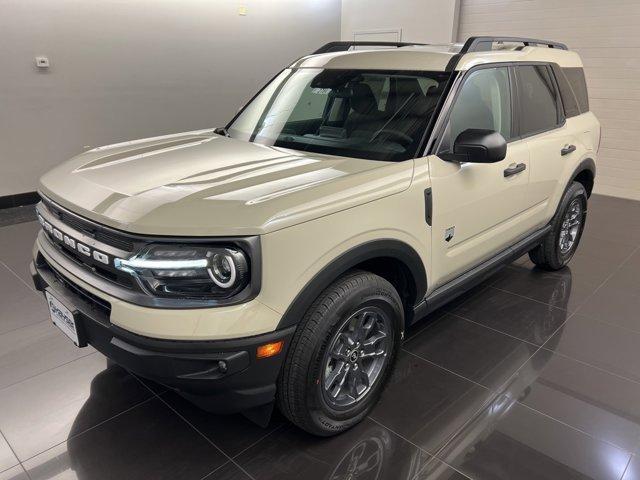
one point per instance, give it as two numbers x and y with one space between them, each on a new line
311 208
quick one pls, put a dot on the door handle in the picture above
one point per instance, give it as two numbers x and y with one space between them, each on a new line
521 167
567 149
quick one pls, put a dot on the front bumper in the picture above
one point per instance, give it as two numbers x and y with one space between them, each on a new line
222 376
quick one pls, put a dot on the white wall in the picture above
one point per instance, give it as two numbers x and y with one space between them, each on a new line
428 21
125 69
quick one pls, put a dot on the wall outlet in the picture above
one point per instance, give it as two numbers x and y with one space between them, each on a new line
42 62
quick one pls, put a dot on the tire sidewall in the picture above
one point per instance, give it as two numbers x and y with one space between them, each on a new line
575 190
323 415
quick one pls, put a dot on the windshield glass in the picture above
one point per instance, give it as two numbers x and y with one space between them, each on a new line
377 115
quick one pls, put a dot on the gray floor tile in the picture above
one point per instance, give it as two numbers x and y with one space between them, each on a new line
471 350
589 399
19 306
600 344
146 442
615 306
634 261
633 470
33 349
514 315
17 245
369 450
560 289
7 458
45 410
228 471
427 404
608 250
436 469
508 441
231 433
606 228
14 473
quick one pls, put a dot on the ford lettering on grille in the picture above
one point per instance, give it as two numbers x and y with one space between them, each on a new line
71 242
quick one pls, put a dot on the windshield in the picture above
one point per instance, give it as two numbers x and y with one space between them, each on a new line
357 113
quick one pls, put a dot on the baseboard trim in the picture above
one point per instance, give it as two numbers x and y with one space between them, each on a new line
19 199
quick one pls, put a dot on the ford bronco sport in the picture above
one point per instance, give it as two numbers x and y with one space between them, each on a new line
280 259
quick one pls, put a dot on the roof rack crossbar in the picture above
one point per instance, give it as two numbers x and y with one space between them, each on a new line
483 44
344 46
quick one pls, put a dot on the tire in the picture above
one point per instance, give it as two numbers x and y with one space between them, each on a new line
549 255
307 386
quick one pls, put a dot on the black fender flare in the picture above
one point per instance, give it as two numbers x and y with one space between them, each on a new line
586 164
384 248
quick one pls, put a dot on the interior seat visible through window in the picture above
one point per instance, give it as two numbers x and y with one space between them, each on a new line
412 108
365 118
405 111
358 113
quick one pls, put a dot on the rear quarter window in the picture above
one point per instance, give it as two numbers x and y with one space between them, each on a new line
569 100
575 77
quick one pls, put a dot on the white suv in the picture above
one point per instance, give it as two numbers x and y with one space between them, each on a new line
280 259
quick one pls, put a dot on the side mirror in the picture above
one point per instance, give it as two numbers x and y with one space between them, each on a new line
478 146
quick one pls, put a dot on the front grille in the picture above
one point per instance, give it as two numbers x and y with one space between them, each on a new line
93 230
121 279
103 239
95 302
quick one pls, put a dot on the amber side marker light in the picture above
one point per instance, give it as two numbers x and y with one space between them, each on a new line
269 349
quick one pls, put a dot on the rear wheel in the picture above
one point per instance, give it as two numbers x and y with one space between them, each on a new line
341 354
561 242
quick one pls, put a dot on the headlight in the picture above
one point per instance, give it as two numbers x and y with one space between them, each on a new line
189 271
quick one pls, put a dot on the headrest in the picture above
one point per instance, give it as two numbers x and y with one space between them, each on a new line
407 86
363 100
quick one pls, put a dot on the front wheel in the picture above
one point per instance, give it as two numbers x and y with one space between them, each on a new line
341 354
561 242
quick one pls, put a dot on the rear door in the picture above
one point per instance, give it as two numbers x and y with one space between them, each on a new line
552 143
477 208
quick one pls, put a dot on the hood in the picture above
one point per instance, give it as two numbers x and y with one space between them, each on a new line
203 184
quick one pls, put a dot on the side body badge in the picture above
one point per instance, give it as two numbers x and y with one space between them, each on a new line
449 233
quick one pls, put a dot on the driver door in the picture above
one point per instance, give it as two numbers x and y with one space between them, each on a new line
479 209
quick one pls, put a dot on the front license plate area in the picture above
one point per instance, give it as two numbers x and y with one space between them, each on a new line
65 319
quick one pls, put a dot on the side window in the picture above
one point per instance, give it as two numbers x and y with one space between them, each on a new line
484 101
569 101
538 99
575 76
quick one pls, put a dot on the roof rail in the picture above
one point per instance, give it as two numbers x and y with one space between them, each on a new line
483 44
344 46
